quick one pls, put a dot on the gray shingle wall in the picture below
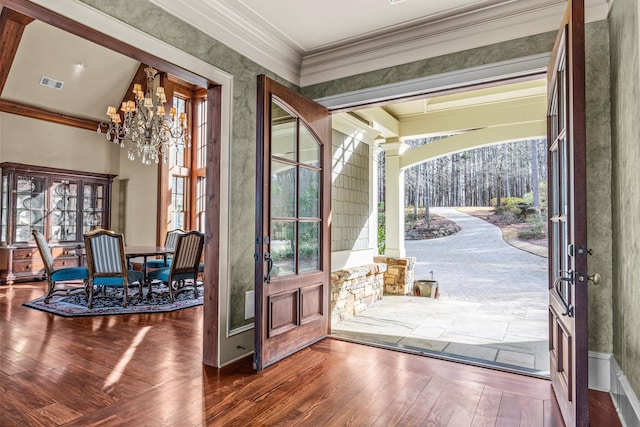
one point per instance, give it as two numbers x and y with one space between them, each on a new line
350 193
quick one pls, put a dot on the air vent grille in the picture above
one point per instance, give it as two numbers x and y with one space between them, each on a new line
52 83
396 1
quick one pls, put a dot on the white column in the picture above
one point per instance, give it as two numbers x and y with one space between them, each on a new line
374 153
394 197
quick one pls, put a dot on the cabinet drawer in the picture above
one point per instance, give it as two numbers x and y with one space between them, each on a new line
66 262
28 266
26 254
64 251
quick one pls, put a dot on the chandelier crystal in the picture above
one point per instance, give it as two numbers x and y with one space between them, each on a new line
143 127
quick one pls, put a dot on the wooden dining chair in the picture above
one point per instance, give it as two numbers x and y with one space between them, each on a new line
183 272
58 279
170 243
107 265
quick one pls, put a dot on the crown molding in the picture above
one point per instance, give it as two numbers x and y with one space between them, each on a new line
504 70
505 22
242 30
235 26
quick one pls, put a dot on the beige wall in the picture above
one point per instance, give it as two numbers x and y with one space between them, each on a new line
37 142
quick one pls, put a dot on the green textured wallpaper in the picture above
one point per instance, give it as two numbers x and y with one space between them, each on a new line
599 184
625 108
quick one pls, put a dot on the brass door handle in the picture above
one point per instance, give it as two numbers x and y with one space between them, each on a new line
595 278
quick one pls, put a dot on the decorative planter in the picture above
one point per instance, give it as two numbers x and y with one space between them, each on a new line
426 288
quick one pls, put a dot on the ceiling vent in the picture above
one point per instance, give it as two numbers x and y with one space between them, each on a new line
52 83
396 1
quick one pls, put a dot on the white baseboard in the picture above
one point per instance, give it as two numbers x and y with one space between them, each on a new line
605 375
600 371
624 399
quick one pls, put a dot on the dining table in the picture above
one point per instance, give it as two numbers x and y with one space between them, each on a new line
132 252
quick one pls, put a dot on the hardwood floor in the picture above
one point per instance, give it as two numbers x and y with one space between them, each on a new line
146 370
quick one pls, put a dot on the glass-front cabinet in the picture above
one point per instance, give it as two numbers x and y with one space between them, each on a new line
61 204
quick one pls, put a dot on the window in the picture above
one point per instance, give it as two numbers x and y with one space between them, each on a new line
182 185
178 154
178 213
201 161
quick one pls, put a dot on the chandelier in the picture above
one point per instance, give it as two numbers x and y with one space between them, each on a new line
144 129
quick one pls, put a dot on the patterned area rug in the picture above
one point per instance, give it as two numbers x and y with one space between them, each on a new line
76 305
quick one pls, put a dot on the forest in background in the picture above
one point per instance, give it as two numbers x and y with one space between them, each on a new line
488 176
511 177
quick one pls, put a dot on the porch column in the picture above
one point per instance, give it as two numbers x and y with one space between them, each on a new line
394 197
374 191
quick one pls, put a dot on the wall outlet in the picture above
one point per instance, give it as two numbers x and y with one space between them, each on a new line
249 304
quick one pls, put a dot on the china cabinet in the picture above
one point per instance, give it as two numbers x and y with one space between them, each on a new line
61 204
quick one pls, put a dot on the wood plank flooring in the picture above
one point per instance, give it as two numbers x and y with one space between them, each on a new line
146 370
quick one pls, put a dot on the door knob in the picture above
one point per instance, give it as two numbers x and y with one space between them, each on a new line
595 278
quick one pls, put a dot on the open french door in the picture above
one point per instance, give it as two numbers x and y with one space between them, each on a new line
568 277
293 205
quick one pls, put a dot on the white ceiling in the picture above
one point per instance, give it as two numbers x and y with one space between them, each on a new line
313 26
309 42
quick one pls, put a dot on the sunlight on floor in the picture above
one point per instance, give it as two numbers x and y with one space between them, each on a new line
115 375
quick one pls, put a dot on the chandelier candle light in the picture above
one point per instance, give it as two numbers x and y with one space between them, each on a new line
146 131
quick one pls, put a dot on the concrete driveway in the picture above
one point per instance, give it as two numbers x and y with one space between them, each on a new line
477 265
492 305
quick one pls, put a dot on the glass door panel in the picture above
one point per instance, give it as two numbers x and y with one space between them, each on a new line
64 210
30 206
309 148
4 209
283 133
283 190
309 246
309 193
94 207
283 248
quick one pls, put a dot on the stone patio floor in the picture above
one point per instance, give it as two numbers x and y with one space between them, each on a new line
492 308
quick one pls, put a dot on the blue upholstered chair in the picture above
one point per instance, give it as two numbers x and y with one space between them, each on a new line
183 271
107 264
170 243
58 278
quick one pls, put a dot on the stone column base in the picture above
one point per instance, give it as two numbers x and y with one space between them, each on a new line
398 279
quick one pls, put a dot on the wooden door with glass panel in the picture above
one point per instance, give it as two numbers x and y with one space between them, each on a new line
568 347
292 224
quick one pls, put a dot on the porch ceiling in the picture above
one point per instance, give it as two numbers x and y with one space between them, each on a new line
477 117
